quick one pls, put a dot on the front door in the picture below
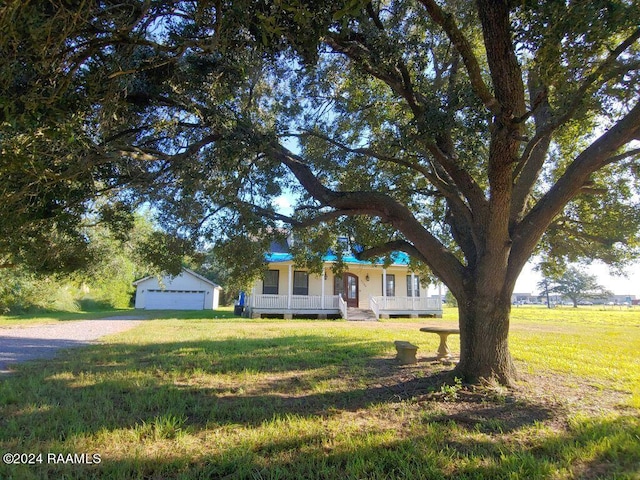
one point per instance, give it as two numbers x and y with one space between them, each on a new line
351 289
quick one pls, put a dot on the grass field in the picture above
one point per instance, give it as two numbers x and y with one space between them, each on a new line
195 398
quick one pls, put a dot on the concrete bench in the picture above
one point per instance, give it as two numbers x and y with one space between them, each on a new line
443 332
406 352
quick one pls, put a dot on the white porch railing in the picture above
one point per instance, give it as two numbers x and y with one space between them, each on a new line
343 307
298 302
332 302
374 306
405 303
378 304
268 301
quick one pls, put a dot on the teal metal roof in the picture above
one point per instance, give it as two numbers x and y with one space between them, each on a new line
399 258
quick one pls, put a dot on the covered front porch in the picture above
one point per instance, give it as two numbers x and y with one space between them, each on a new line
320 306
288 292
328 306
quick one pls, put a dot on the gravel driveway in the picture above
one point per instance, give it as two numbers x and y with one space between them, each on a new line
19 344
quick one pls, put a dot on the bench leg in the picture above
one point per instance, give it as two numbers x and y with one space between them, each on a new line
407 356
406 353
443 349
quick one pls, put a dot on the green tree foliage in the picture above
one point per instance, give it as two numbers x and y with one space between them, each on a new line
470 135
577 285
105 282
18 290
450 299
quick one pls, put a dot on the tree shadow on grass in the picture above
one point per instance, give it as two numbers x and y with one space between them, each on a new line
426 454
154 392
235 381
16 350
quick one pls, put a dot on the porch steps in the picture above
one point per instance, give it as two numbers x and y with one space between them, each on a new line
360 315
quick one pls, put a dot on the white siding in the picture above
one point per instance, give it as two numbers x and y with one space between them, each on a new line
183 292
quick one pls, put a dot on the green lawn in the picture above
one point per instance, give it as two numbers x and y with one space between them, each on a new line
54 317
234 398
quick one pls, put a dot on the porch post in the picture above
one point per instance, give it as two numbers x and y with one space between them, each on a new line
290 287
253 296
322 282
384 287
413 291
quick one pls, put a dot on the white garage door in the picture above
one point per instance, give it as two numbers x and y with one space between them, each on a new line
174 300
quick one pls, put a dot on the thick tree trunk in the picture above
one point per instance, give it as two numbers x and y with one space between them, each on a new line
484 344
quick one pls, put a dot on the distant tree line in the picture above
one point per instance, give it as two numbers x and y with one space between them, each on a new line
104 280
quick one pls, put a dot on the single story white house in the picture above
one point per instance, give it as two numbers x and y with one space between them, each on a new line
186 291
365 291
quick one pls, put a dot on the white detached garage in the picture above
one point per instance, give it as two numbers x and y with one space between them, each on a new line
186 291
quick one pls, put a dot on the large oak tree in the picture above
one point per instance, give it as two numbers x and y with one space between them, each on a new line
467 134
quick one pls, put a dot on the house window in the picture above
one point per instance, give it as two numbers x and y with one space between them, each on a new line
270 283
300 283
338 285
415 291
391 285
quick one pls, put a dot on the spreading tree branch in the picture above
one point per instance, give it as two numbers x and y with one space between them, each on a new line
390 247
553 123
597 155
442 262
462 44
506 74
399 80
442 185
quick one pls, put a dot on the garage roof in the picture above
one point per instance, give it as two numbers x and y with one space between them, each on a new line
184 270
